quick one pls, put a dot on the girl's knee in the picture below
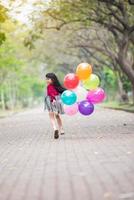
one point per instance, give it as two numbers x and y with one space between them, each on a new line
57 116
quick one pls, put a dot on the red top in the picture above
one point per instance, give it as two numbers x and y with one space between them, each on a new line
52 92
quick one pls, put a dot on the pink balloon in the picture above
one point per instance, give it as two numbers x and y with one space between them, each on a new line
96 96
71 110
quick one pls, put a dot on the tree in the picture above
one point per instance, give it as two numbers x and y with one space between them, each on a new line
20 83
116 17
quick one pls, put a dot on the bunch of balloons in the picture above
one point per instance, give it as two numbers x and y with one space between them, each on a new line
82 92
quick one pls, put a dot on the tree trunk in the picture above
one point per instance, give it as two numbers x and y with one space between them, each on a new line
2 99
10 93
133 94
125 65
123 97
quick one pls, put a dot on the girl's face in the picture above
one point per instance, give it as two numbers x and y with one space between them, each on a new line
49 81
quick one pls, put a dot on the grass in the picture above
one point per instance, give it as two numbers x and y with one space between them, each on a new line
118 106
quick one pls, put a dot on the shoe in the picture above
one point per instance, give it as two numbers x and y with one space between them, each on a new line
62 133
56 134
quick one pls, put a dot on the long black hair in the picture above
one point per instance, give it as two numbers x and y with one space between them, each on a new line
55 82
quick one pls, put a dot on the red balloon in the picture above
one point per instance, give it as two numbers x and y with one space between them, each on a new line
71 81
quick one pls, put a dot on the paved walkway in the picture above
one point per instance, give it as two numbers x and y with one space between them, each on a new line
93 161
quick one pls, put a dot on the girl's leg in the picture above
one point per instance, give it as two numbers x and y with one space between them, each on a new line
52 118
59 121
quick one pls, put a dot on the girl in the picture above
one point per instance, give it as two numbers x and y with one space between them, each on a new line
53 102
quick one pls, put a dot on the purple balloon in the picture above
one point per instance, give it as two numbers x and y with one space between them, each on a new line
86 107
96 96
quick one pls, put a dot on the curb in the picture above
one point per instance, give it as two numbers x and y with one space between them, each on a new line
122 109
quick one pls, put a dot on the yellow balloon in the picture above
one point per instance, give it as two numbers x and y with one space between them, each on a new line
92 82
83 71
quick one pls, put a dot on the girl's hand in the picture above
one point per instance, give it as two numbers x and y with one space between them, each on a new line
54 101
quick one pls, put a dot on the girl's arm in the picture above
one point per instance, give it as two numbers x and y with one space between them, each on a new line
52 92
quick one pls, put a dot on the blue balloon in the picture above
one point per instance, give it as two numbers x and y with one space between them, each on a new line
68 97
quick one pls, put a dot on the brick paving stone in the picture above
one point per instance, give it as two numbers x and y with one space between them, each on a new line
94 160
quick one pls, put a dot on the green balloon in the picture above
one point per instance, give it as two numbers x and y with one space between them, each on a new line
92 82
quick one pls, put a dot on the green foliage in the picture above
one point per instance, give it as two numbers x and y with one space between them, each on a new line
109 82
109 77
126 84
2 38
20 84
3 18
3 14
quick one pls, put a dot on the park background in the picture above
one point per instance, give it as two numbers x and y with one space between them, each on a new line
43 36
94 159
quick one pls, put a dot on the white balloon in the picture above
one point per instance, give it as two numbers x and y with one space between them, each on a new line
81 93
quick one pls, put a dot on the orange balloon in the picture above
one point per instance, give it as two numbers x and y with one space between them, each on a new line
83 71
